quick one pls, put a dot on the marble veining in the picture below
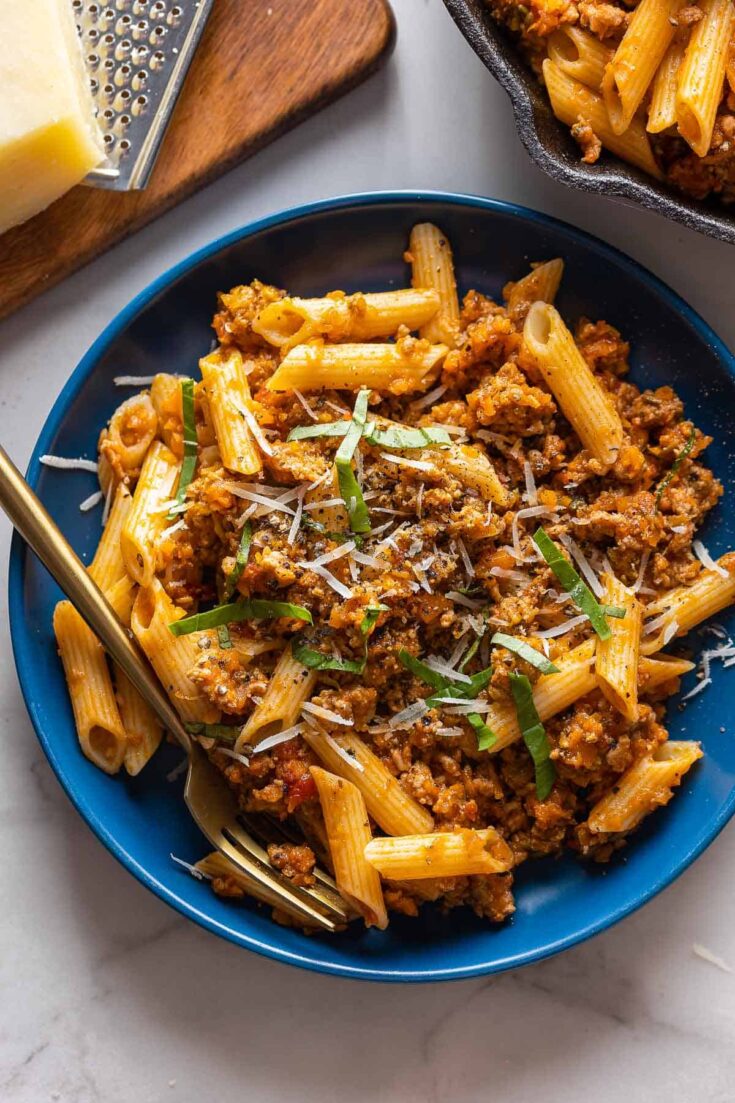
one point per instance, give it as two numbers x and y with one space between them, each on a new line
108 996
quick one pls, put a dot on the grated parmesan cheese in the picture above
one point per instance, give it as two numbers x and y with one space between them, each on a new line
563 628
404 461
64 464
280 737
706 559
531 495
90 502
406 717
133 380
329 578
430 397
257 432
305 404
325 714
349 758
713 959
197 874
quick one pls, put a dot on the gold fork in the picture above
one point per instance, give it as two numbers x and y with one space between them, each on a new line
207 794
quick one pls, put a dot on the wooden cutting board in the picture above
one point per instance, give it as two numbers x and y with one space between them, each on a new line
262 67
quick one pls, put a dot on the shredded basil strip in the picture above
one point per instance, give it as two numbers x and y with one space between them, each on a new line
525 651
323 429
399 438
349 487
241 560
188 466
675 466
225 732
486 737
315 660
368 622
613 611
223 635
534 734
246 609
578 591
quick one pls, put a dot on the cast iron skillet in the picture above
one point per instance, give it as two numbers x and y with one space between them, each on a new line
550 145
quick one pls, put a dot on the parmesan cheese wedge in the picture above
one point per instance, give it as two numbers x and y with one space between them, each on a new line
49 137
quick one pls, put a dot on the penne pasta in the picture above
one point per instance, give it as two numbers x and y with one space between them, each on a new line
407 366
147 517
339 317
291 684
654 671
688 606
475 470
552 694
579 55
172 657
108 566
662 109
96 716
572 101
166 397
143 731
540 285
125 442
348 834
701 75
228 394
616 659
432 266
645 786
461 853
392 808
584 403
641 51
121 597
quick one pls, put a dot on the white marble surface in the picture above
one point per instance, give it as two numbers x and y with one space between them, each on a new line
110 997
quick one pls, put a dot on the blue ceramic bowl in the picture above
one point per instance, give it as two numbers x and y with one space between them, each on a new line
357 243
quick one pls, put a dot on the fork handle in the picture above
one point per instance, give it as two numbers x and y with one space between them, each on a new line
43 536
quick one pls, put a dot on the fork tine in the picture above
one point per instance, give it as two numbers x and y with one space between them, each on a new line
268 887
266 830
321 896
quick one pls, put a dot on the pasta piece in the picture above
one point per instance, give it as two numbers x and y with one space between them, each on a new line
688 606
616 660
143 731
571 100
579 55
147 517
132 430
652 672
645 786
662 110
340 317
432 266
461 853
96 716
290 685
636 60
475 470
166 399
540 285
392 808
551 695
702 74
404 367
348 834
228 394
172 657
583 401
108 567
121 597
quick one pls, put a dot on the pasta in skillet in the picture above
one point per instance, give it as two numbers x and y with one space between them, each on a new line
406 567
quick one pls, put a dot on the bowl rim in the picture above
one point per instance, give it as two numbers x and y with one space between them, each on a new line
614 177
23 645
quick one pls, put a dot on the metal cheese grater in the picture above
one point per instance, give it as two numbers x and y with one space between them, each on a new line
137 53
